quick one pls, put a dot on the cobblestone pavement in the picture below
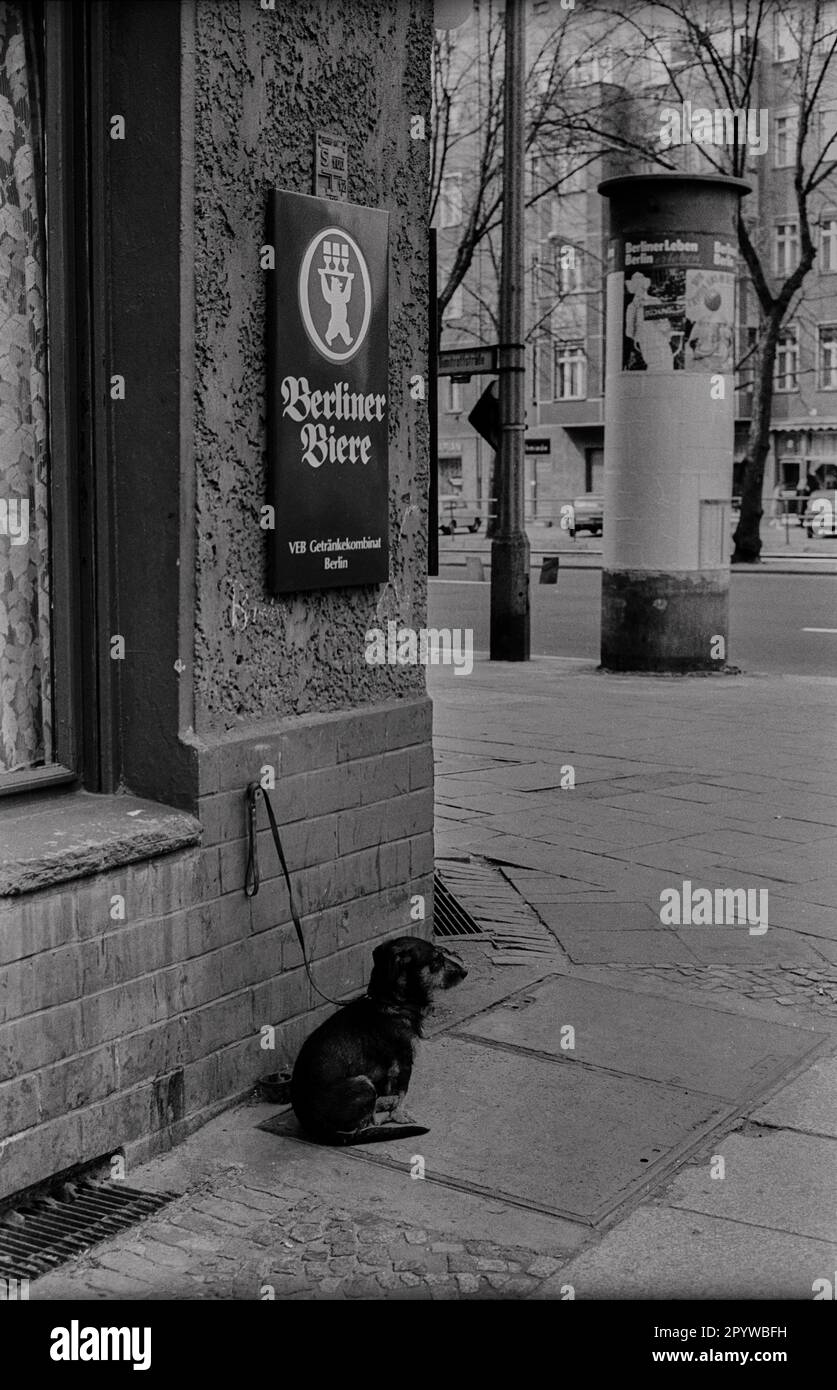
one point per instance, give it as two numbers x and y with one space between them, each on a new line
813 987
231 1240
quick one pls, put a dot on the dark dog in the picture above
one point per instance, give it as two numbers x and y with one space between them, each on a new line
352 1074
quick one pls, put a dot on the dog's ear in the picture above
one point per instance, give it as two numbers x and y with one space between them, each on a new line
390 961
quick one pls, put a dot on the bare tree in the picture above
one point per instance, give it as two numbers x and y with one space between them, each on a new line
466 147
466 143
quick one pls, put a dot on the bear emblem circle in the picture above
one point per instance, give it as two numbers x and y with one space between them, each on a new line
334 276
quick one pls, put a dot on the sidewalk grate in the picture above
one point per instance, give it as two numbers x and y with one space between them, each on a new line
449 916
46 1231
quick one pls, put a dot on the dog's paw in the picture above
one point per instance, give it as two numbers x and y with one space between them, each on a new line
400 1116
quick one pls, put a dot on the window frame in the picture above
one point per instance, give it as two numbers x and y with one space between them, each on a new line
79 494
789 116
831 237
784 242
826 328
575 358
790 331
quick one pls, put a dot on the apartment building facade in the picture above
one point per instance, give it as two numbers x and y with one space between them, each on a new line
623 84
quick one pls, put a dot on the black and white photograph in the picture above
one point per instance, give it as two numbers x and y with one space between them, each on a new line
418 673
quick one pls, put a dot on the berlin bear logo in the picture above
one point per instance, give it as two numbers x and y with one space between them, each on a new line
335 294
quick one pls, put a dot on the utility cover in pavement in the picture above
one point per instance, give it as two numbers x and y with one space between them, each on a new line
643 1035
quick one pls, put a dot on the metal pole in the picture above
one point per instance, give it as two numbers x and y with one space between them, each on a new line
510 545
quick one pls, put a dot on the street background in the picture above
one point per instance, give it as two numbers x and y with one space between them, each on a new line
584 1172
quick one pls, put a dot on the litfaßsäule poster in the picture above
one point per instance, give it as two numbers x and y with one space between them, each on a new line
675 301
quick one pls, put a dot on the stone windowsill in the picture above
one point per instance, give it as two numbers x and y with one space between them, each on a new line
52 839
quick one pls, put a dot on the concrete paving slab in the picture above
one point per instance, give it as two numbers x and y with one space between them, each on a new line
783 1180
735 946
704 1049
563 1139
822 892
601 915
811 919
232 1147
808 1103
600 946
668 1254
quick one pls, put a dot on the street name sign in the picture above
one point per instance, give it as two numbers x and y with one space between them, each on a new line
328 409
467 362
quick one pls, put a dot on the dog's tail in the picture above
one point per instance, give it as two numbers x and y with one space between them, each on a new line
379 1134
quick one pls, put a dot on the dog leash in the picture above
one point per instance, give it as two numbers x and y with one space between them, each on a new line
251 877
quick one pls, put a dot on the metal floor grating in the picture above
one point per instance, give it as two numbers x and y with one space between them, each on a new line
44 1232
449 916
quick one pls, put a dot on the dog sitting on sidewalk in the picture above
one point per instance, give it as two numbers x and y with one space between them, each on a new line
352 1073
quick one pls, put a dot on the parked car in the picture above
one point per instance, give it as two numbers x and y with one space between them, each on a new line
456 513
588 514
820 516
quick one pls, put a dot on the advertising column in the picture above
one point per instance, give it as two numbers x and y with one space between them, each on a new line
669 421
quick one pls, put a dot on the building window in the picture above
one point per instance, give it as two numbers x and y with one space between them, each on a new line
453 396
786 255
785 130
787 361
828 245
568 272
450 200
785 44
26 719
828 131
828 358
571 173
569 372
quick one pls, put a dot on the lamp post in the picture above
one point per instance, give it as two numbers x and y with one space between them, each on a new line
510 544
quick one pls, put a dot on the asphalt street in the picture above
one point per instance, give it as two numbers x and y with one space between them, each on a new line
770 618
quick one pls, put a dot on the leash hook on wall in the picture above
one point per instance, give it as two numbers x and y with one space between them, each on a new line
252 879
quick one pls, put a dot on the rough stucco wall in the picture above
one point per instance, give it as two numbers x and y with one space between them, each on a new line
265 82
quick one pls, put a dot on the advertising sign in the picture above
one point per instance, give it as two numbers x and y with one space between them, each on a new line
328 415
674 297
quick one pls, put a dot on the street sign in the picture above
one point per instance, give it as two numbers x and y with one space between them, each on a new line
485 416
464 362
328 365
537 446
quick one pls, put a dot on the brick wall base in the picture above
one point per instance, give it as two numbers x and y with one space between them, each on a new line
136 1003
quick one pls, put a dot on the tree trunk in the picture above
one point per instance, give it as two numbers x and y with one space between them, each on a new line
747 540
